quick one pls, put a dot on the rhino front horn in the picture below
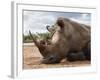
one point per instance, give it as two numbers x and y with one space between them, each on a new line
40 46
34 40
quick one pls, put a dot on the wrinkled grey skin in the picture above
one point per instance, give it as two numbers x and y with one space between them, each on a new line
68 37
85 54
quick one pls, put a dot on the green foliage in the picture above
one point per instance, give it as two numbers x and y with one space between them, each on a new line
44 36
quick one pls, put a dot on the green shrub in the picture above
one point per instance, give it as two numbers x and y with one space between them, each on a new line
44 36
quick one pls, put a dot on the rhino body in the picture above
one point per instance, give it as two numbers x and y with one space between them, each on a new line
68 37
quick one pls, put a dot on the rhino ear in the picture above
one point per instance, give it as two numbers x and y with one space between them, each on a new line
60 22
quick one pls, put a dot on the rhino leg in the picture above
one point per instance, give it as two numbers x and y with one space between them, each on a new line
79 56
87 53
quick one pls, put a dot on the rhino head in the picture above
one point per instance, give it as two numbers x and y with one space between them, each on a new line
46 51
40 45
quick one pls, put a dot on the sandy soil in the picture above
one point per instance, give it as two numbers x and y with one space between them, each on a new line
32 58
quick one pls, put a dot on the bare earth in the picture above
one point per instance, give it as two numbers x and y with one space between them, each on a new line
32 58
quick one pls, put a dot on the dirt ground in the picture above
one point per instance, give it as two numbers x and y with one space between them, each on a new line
32 58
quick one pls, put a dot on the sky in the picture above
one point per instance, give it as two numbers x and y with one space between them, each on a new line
36 21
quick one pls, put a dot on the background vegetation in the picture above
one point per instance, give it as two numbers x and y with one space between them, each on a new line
44 36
